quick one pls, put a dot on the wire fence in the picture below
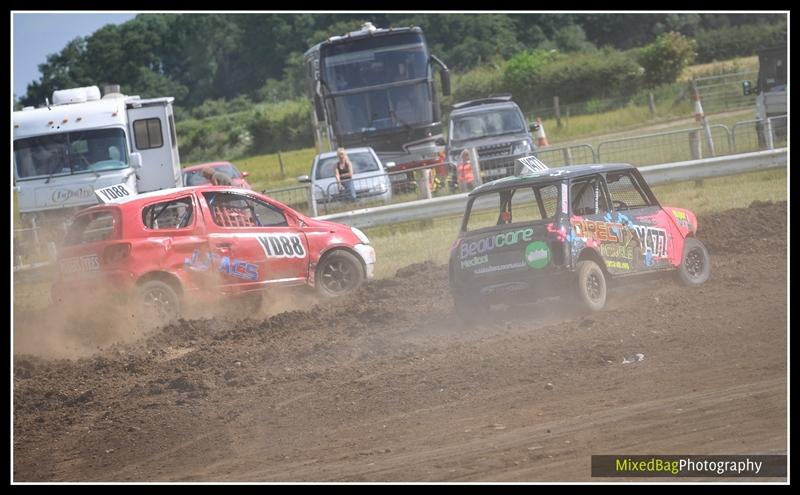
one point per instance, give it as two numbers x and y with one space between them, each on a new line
37 243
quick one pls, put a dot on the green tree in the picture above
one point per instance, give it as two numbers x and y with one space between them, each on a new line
665 59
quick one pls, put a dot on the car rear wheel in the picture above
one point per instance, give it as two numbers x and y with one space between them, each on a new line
695 267
339 273
591 285
159 302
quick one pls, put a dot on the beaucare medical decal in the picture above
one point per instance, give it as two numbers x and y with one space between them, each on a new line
495 241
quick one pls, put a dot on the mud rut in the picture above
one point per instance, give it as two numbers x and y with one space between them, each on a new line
389 386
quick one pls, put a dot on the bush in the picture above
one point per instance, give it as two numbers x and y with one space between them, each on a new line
739 41
664 60
535 78
266 129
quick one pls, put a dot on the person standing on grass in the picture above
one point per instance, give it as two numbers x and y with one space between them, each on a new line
344 174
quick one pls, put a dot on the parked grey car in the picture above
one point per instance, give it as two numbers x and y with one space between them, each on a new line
496 127
369 177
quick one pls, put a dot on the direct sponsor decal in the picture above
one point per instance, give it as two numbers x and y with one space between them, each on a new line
87 263
229 266
487 244
282 245
537 254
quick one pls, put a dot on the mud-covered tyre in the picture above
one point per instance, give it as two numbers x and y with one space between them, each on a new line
339 273
592 287
158 302
695 267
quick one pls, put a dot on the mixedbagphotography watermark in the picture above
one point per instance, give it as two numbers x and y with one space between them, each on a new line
717 466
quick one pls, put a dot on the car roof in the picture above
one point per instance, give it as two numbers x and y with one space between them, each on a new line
550 174
480 108
204 165
165 194
329 154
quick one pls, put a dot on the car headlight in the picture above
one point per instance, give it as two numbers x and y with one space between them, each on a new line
361 236
521 147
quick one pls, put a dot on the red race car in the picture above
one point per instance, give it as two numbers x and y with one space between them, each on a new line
198 243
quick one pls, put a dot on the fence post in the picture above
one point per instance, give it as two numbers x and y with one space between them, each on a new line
695 147
280 162
767 128
476 167
424 184
567 156
312 201
558 111
709 139
651 102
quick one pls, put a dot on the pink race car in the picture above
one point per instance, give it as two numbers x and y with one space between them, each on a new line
550 229
166 248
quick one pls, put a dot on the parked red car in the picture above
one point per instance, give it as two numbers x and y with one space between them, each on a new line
193 176
169 247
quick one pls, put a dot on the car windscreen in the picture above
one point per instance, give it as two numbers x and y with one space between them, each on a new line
196 177
485 124
362 162
70 153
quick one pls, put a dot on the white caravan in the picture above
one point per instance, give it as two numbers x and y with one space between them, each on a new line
81 142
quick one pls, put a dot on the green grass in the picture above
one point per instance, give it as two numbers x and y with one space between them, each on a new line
412 242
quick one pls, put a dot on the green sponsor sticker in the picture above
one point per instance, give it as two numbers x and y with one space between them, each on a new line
537 254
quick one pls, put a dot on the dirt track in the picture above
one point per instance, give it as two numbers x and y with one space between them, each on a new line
389 387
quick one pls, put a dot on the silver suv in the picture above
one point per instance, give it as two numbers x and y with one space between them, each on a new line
496 128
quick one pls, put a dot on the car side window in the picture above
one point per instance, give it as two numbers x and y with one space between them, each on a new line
625 191
236 210
588 197
172 214
90 228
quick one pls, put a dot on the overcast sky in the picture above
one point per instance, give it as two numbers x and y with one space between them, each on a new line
37 35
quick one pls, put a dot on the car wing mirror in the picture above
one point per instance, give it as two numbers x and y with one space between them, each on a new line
136 161
245 174
390 164
304 179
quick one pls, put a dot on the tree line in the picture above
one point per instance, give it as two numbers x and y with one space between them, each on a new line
258 57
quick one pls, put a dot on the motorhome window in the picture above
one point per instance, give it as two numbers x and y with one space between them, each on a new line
147 133
70 153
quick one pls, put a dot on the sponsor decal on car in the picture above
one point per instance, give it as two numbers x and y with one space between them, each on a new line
537 254
87 263
474 261
233 267
499 240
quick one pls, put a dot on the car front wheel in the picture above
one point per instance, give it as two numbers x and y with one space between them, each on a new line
159 302
591 285
695 267
339 273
